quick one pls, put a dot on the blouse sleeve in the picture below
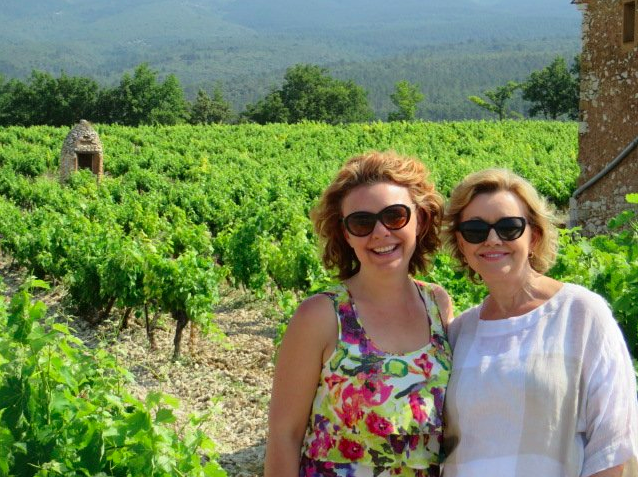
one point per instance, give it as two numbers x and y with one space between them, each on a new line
611 407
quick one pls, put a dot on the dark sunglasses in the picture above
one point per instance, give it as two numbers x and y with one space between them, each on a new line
507 228
393 217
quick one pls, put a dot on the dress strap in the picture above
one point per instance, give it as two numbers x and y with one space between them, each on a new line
339 296
432 307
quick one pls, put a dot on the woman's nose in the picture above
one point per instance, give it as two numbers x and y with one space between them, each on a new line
380 230
492 237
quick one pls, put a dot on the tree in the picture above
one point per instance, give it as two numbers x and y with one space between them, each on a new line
270 109
44 99
405 97
575 94
171 107
206 110
309 93
77 99
13 107
498 99
553 91
141 99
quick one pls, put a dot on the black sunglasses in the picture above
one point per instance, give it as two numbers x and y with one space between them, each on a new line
393 217
507 228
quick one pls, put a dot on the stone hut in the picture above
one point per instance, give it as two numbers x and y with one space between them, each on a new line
608 132
82 149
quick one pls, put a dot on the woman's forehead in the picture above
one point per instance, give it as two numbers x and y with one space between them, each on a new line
370 197
494 205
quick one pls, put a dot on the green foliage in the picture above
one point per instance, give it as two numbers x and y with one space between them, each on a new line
406 96
498 99
608 265
46 100
448 74
141 99
446 272
64 410
554 90
183 207
452 71
270 109
309 93
207 110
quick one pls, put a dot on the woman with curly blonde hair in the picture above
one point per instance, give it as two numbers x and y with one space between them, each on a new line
542 382
362 371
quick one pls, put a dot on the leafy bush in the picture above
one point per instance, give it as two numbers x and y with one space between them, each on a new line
64 410
607 265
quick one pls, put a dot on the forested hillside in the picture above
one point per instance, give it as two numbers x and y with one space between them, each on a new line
248 44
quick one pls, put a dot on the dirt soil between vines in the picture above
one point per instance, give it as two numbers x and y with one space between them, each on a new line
231 377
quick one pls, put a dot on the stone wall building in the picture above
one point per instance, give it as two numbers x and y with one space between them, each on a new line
82 149
608 133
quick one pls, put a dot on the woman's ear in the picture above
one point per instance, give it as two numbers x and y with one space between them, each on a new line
536 238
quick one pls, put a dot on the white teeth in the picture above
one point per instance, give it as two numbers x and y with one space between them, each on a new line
387 249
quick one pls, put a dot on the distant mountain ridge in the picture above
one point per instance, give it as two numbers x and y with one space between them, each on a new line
251 42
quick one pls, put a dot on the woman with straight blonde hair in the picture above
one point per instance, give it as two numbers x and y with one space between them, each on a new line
361 375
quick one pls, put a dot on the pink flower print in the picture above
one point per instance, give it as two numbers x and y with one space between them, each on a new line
418 411
312 468
352 406
334 380
425 364
321 444
376 392
413 441
379 425
351 450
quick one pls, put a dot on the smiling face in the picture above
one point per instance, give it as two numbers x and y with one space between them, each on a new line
382 249
497 260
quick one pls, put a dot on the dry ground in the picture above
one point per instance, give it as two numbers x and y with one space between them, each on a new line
231 378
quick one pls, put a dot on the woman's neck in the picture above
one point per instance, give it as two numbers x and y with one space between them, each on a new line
509 299
398 286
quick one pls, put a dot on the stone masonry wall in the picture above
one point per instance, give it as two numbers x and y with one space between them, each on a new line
609 112
81 139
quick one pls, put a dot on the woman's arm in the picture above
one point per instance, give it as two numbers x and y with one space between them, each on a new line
611 410
310 337
611 472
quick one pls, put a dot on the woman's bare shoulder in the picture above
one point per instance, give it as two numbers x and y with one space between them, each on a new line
315 314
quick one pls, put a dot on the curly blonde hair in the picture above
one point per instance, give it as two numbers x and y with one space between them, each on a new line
369 169
540 214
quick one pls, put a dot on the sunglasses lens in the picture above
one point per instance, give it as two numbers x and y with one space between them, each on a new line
395 217
510 228
474 231
360 223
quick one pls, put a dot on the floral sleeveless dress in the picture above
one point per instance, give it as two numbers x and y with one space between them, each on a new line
377 414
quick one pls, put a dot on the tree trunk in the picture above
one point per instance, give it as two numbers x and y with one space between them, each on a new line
181 318
107 311
125 318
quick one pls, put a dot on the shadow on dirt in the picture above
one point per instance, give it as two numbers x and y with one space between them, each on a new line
247 462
